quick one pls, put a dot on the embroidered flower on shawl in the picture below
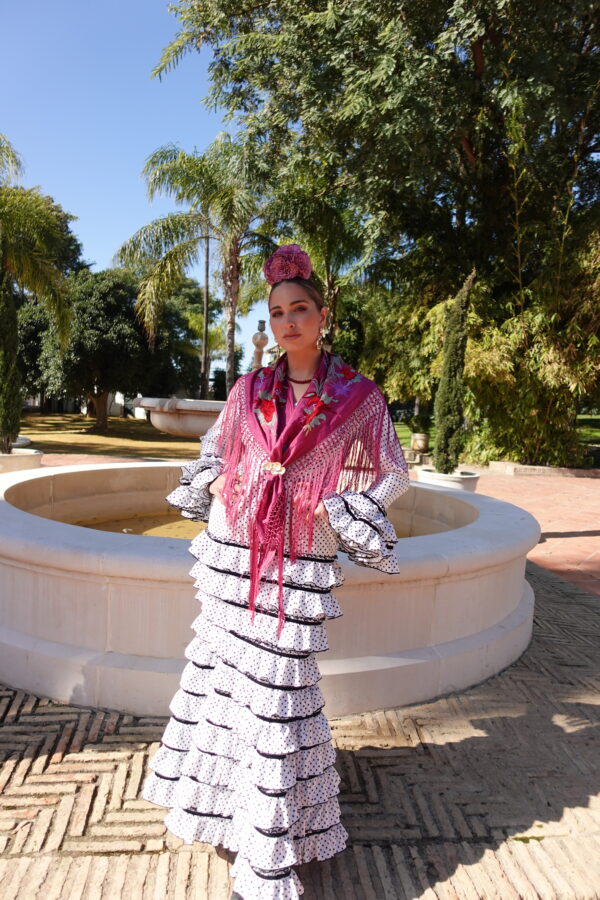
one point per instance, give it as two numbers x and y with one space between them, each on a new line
265 408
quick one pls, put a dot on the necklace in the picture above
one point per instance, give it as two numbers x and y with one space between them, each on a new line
299 381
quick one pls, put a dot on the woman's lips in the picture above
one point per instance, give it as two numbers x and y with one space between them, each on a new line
290 337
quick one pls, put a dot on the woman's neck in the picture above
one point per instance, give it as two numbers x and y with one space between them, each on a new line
303 365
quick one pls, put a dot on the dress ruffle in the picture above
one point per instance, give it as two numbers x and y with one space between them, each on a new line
307 572
284 885
364 531
192 497
262 628
270 668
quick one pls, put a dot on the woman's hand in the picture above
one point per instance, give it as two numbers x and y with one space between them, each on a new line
216 488
320 511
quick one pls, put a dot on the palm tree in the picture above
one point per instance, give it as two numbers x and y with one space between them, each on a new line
222 204
31 239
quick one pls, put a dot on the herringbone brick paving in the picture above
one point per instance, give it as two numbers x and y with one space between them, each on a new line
490 792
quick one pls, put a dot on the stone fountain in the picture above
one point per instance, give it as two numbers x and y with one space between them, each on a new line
102 619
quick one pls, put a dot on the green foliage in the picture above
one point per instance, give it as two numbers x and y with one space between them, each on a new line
107 349
224 202
10 382
36 247
448 406
454 135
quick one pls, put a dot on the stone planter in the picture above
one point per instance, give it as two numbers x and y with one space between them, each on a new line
185 418
459 480
419 441
20 459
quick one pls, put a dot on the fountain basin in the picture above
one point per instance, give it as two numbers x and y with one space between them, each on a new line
102 619
186 418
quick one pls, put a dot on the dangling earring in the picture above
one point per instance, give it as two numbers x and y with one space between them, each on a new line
321 338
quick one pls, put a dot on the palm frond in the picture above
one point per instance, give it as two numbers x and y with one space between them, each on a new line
32 237
165 276
11 164
160 236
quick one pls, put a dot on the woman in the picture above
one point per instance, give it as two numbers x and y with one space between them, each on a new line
302 461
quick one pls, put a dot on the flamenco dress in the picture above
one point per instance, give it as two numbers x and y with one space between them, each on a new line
246 760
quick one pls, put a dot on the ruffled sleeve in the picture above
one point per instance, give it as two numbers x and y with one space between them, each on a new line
364 531
360 517
192 496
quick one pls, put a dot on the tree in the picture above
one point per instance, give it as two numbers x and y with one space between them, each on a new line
107 350
32 240
464 135
222 203
449 399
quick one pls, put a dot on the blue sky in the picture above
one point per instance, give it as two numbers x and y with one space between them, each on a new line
79 105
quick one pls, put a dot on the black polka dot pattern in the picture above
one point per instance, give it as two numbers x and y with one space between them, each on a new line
246 759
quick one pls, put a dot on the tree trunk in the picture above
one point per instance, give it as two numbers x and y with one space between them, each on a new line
11 400
101 404
231 291
205 365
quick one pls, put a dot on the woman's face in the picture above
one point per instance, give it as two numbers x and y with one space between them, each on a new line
295 318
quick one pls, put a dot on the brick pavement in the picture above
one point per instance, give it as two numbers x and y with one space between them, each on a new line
487 793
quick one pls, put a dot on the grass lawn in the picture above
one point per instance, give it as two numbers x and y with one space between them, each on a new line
125 437
588 428
137 439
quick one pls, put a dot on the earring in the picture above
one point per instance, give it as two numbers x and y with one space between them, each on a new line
321 338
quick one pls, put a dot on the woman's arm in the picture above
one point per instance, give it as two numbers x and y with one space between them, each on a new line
194 496
360 517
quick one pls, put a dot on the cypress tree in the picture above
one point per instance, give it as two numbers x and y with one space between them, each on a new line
448 407
10 382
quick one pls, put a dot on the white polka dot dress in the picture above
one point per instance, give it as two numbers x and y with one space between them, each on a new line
246 759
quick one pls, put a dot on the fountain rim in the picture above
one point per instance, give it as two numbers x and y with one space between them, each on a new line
492 538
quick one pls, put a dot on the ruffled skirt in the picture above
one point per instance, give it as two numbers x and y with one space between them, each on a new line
246 760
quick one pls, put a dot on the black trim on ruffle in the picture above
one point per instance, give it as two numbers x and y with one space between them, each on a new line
285 755
293 719
286 584
265 612
355 549
269 793
281 873
264 718
176 749
193 693
270 649
195 812
327 559
184 721
276 687
217 725
381 509
281 832
353 515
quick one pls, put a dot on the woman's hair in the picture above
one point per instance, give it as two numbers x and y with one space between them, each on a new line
309 286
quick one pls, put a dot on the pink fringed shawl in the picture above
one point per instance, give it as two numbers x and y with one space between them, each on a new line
277 483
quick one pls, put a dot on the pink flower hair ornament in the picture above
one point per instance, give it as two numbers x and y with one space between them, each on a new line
288 261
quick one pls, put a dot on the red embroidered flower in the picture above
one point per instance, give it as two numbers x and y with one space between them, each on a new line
317 406
267 408
288 261
347 373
